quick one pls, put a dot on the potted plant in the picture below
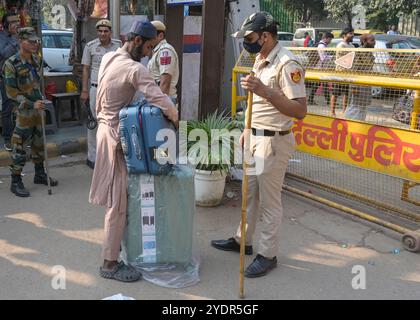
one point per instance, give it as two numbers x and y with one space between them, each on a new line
211 149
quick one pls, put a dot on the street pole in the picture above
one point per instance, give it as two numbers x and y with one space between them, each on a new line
115 18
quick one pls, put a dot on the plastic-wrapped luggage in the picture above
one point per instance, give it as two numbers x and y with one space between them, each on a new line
160 217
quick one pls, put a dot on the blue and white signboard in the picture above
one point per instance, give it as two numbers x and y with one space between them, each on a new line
184 2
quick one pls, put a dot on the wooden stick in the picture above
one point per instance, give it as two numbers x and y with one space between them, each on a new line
247 137
44 136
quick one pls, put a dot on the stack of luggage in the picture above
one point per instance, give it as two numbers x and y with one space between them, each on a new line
161 203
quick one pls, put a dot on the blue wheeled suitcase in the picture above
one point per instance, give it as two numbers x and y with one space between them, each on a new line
132 138
160 140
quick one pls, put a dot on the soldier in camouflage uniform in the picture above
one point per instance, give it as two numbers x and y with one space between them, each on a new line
23 87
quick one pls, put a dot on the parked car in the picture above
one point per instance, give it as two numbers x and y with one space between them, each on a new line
285 38
56 47
315 33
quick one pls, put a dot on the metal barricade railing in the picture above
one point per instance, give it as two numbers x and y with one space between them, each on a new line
361 136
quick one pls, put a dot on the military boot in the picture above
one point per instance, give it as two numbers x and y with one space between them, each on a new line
17 186
41 176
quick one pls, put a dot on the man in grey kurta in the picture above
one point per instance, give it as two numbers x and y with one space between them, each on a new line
120 76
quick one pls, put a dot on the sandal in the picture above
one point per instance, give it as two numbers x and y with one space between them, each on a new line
121 272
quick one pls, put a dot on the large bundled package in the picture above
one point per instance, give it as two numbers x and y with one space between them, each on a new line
160 218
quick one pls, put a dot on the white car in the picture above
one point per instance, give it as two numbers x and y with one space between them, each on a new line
285 38
56 46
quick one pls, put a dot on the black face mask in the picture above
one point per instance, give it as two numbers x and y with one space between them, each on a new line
253 47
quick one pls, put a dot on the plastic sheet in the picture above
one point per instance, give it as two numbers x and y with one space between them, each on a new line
171 275
158 237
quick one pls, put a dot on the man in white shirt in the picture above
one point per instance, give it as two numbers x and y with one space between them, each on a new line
342 89
323 57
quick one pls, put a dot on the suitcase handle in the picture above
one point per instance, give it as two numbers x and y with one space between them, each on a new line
124 142
136 142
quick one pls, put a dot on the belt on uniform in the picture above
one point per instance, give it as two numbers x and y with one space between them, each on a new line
94 85
268 133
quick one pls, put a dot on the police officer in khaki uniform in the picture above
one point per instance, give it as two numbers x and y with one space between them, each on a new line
91 60
279 96
164 65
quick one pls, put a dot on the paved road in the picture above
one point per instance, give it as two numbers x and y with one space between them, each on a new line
319 248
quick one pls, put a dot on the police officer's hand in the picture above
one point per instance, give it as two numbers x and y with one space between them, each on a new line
253 84
84 96
39 105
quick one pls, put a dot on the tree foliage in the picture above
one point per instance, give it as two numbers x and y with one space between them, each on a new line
342 10
381 13
306 9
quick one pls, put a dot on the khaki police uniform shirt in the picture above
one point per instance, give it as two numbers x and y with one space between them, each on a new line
290 81
93 54
165 60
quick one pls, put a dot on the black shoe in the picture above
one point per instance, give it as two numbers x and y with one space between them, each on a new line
18 188
260 266
41 178
8 146
230 245
90 164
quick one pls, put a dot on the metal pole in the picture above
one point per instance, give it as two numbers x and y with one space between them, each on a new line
115 18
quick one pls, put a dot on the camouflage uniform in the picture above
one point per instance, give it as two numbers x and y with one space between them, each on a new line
23 87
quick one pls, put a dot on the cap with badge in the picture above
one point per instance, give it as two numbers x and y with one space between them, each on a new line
144 28
103 23
254 23
159 25
28 34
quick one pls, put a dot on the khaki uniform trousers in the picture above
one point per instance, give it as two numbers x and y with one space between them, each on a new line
265 188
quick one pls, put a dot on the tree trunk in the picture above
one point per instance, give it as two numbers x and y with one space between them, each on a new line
349 19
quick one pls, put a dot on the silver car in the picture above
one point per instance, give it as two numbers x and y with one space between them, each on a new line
56 46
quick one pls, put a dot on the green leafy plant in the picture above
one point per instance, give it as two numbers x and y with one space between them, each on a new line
212 142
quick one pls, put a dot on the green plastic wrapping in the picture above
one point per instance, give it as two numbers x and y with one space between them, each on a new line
174 203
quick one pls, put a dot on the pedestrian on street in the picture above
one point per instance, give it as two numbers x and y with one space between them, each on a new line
323 59
91 61
347 36
279 97
164 64
23 88
121 75
9 46
361 96
393 30
308 42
